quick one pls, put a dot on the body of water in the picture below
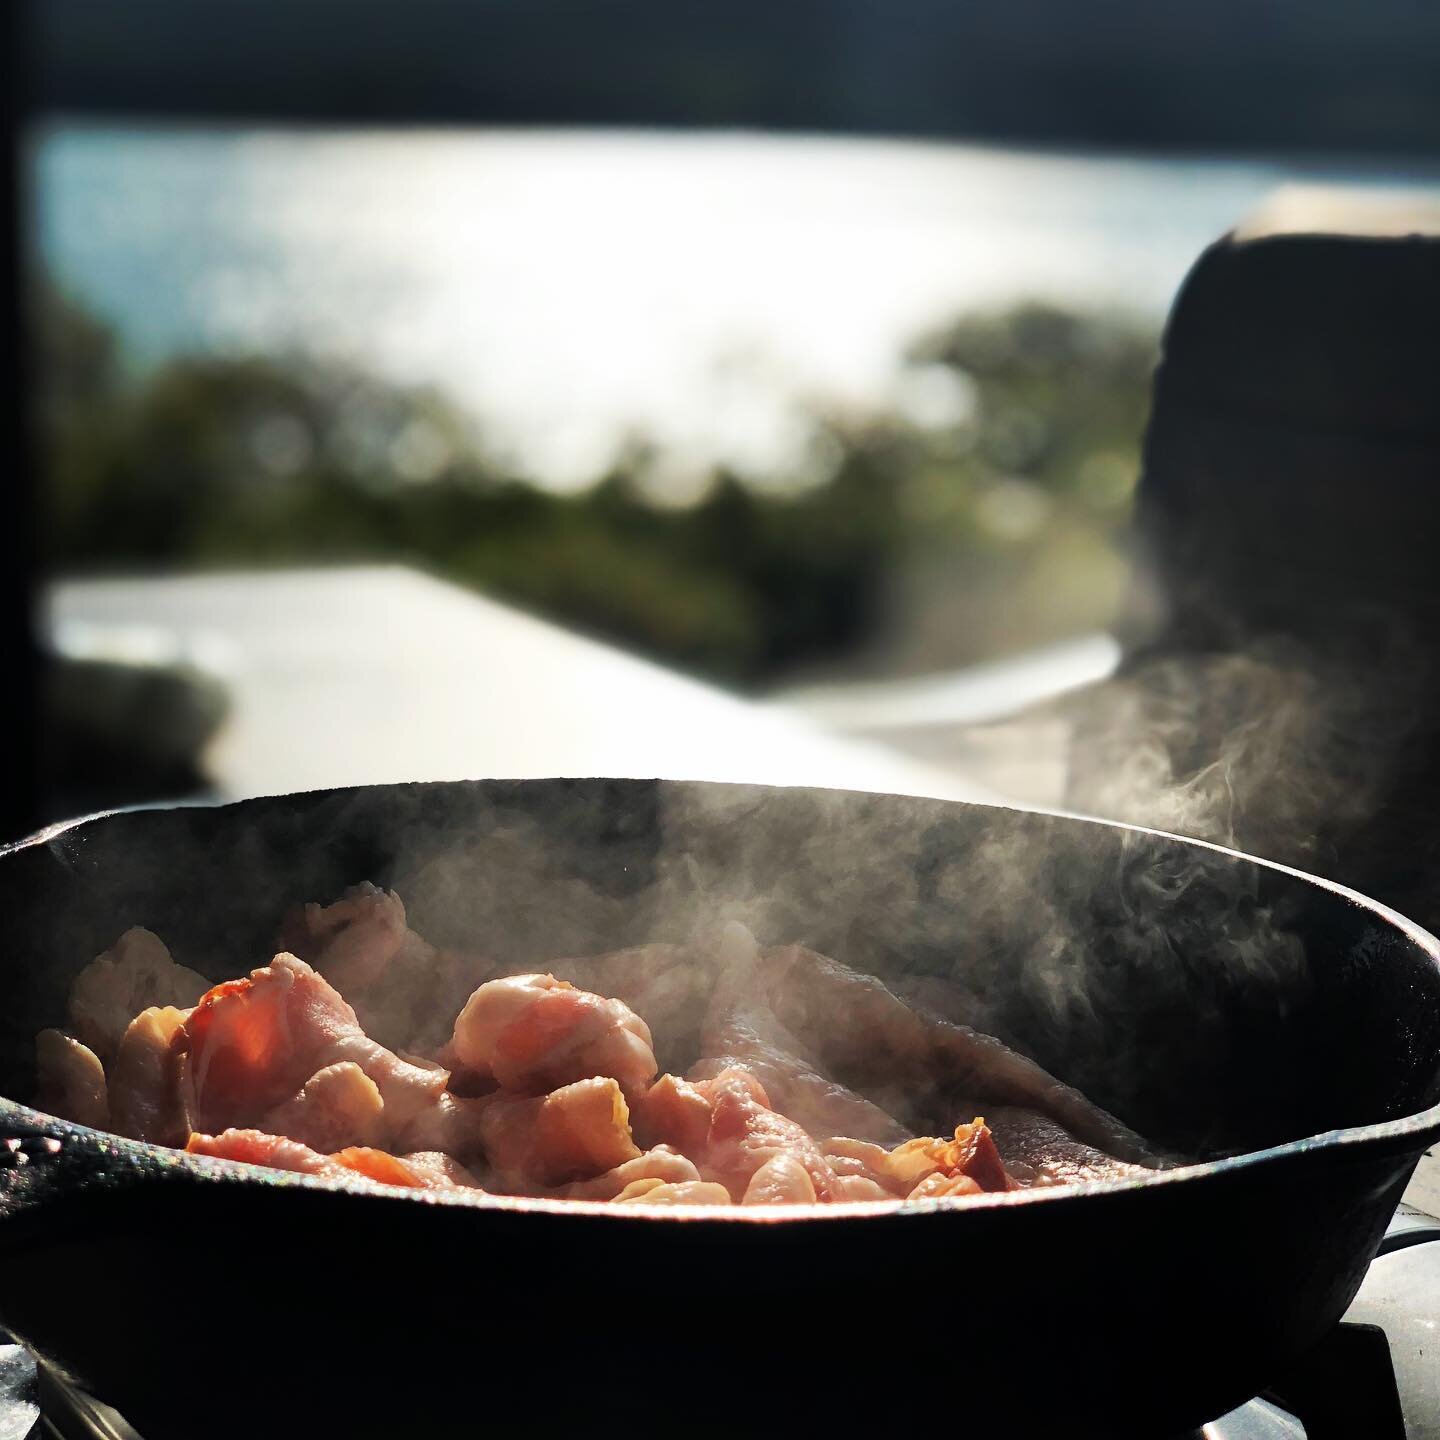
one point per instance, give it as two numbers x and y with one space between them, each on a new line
570 287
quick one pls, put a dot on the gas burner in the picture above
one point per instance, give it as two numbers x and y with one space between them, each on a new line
1369 1380
1370 1377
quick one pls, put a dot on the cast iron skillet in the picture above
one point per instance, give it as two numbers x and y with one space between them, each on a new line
1220 1005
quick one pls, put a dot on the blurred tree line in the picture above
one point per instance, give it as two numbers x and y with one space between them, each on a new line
971 514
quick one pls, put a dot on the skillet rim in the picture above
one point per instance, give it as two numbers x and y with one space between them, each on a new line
1403 1133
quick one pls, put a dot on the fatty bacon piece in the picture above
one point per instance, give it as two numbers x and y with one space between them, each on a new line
668 984
678 1192
1039 1152
1037 1149
533 1033
576 1132
135 973
70 1081
451 1124
353 942
256 1147
440 1170
402 988
253 1044
781 1180
863 1169
967 1164
336 1107
660 1166
673 1112
741 1030
857 1028
746 1134
151 1097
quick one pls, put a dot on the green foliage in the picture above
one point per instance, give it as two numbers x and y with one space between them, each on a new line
1060 399
214 460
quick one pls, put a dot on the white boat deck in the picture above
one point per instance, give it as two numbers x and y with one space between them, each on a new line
365 675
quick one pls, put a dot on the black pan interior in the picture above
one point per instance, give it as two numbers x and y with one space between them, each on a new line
1214 1003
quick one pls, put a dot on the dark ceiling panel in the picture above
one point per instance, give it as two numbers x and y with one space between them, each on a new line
1326 75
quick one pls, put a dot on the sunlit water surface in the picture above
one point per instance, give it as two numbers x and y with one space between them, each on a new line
570 287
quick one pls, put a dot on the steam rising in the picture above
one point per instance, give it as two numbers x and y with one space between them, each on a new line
1118 960
1283 749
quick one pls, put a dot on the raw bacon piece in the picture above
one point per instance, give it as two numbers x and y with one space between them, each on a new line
661 1165
150 1097
70 1081
873 1158
134 974
781 1180
1038 1151
337 1106
387 1169
582 1129
579 1130
439 1171
668 984
402 988
684 1192
866 1035
534 1033
796 1089
745 1133
970 1153
940 1186
866 1164
378 1165
488 1012
256 1147
546 1076
351 942
672 1112
451 1123
636 1188
860 1189
741 1030
253 1043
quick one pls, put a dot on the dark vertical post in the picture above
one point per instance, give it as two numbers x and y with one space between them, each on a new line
19 663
